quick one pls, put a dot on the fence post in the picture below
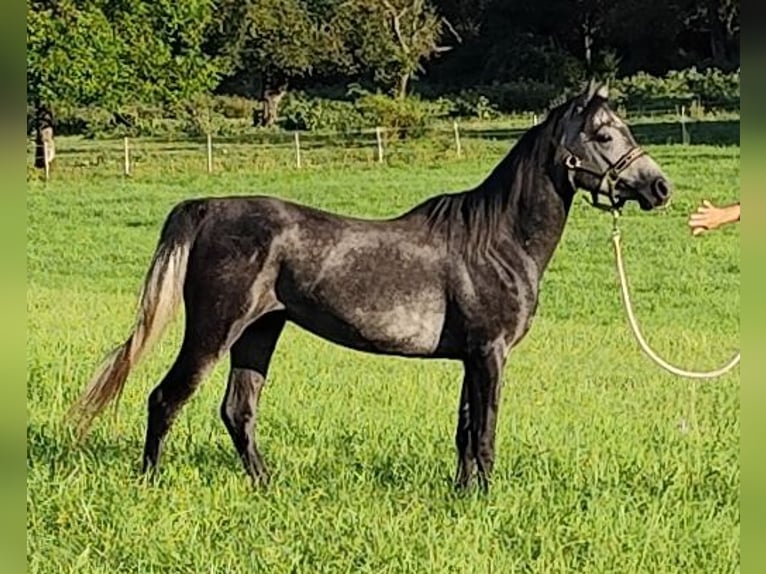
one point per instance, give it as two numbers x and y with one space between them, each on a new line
209 153
534 119
684 132
127 156
457 139
380 144
46 163
297 149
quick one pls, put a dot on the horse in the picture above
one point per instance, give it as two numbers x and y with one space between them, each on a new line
455 277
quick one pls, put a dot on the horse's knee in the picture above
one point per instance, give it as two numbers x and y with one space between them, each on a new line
236 412
157 403
234 417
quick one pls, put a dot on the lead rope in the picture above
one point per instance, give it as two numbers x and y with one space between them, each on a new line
637 332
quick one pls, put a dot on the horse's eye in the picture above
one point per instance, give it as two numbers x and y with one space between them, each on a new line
602 137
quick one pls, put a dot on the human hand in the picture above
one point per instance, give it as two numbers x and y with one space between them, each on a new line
709 217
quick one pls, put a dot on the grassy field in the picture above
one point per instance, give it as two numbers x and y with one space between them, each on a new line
605 463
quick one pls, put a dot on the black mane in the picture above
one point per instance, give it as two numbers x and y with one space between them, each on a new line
476 219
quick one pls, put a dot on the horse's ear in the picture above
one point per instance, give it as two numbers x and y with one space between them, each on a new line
594 89
603 91
581 101
590 89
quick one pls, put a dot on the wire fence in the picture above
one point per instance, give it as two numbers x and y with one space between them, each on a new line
263 150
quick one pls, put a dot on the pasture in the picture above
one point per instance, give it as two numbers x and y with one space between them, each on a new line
604 462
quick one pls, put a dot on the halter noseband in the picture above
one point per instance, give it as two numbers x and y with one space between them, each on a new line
607 179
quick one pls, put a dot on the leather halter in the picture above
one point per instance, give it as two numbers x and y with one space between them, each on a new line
607 179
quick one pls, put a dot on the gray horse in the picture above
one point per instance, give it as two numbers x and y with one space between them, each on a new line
456 277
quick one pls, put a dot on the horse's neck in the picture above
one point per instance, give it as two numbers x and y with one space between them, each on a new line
537 210
540 219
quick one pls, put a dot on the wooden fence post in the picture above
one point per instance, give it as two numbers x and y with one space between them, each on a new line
209 153
684 132
46 162
127 156
297 149
457 139
380 144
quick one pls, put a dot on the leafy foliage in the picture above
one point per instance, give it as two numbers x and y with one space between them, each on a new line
709 87
300 112
117 53
114 66
400 116
393 38
72 55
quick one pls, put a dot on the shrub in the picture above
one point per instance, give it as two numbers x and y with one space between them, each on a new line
408 116
472 104
234 107
487 102
298 112
521 96
712 88
703 92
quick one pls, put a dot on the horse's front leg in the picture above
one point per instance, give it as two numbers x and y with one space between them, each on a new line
466 455
484 372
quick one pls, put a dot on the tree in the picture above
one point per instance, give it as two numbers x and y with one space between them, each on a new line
523 40
275 42
71 57
465 16
112 53
395 37
720 21
162 58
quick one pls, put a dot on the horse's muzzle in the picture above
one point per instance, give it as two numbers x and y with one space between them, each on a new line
660 190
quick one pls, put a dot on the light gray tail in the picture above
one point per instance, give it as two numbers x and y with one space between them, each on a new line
161 294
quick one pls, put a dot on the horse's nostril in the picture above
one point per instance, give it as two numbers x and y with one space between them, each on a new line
661 189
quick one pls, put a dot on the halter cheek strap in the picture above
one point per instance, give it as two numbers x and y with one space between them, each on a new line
607 179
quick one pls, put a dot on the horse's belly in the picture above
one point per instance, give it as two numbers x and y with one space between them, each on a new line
401 329
380 292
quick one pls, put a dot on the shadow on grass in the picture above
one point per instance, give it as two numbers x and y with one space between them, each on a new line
345 461
56 451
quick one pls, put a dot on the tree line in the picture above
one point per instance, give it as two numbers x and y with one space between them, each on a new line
113 53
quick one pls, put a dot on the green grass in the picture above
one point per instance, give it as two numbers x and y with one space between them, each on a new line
604 462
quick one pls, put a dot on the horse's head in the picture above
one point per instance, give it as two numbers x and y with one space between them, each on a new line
602 156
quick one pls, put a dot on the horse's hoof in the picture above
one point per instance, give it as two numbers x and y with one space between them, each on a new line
261 480
462 484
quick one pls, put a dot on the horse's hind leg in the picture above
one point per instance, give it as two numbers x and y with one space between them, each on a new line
167 398
250 357
211 327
